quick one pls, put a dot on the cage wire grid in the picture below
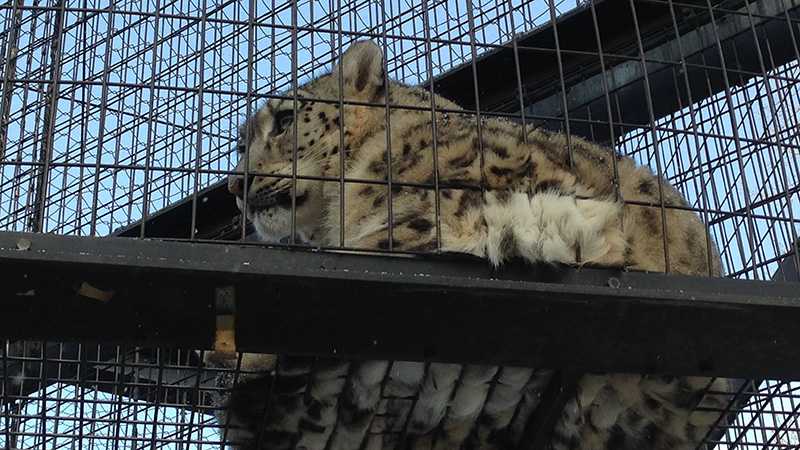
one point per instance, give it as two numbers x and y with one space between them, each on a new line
114 111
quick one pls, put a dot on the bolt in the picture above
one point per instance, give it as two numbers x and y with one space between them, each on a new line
24 244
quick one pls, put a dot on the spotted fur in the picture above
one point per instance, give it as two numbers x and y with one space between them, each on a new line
504 192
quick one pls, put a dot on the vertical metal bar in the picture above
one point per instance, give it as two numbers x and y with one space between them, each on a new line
155 63
16 422
476 91
84 117
102 123
135 380
48 128
398 54
342 149
248 101
505 12
388 122
564 105
610 115
768 402
38 133
6 395
712 105
200 119
312 33
538 432
520 93
515 50
198 394
693 122
774 114
157 397
18 434
293 228
43 389
755 154
169 161
273 67
119 381
9 72
654 134
80 393
59 396
267 399
236 372
96 387
429 65
736 140
184 433
790 25
791 121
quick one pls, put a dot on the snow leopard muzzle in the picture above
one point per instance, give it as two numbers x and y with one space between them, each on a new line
265 199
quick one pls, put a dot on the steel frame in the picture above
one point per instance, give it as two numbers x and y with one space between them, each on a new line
162 292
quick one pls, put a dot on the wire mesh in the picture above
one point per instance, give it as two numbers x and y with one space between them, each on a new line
69 395
113 111
128 104
75 396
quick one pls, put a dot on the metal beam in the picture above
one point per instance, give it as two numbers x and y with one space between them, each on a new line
357 306
538 59
585 94
216 217
625 80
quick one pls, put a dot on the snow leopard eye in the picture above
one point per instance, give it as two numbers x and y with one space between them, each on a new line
283 120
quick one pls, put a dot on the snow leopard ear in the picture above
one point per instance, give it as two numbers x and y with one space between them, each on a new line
362 71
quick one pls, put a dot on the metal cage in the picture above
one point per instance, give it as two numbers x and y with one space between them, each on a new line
121 249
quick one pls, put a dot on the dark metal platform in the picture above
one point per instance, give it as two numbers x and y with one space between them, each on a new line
359 306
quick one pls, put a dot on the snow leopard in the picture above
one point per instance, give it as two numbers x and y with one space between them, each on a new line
464 183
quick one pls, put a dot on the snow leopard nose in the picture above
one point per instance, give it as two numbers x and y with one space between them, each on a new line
236 185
